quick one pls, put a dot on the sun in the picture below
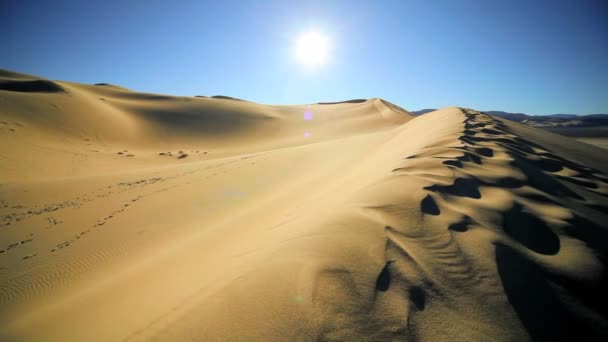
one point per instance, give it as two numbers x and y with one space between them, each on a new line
312 48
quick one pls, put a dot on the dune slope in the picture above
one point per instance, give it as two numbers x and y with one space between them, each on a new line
131 216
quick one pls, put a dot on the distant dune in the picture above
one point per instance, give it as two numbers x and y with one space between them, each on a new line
129 216
345 101
221 97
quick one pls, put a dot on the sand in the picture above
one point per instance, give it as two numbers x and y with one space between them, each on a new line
599 142
133 216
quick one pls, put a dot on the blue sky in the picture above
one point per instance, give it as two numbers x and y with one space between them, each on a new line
537 57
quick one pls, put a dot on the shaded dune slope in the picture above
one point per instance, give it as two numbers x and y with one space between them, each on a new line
74 119
162 116
39 86
12 81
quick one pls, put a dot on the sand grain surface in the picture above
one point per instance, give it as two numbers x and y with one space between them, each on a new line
132 216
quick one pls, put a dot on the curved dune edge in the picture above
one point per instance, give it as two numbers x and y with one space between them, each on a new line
386 227
91 124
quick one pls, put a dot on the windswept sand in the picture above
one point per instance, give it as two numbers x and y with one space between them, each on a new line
131 216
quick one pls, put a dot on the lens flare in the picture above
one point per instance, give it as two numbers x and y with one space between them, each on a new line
308 114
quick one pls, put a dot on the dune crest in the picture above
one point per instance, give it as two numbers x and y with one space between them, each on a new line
133 216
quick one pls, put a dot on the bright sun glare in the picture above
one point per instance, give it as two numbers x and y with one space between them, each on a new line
312 48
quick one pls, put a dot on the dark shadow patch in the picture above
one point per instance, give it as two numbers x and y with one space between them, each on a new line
593 235
598 207
417 297
599 176
471 139
455 163
473 126
591 294
223 97
522 151
461 226
530 231
474 158
383 282
509 182
428 206
537 306
491 131
542 181
346 101
462 187
526 142
485 151
580 182
512 142
550 165
34 86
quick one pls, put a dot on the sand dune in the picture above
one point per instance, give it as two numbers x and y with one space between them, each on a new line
132 216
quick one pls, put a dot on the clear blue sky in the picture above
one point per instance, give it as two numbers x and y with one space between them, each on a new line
537 57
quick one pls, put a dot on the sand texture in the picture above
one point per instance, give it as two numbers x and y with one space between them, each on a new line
127 216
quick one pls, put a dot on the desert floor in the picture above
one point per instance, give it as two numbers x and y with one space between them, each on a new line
133 216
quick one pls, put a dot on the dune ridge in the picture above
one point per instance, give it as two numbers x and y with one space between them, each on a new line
526 225
478 206
223 220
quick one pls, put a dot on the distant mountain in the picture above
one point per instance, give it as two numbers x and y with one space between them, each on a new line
551 120
564 116
590 125
517 117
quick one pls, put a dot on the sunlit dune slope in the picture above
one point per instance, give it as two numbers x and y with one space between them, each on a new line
131 216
